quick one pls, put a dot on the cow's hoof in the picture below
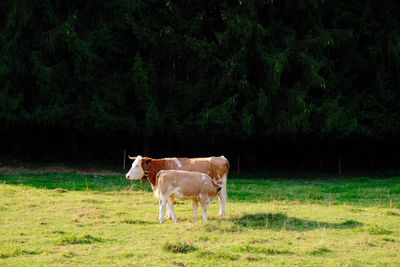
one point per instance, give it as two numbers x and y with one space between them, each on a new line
161 221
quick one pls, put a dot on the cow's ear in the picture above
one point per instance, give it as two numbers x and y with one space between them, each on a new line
147 160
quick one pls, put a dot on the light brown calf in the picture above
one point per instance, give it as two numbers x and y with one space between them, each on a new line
198 187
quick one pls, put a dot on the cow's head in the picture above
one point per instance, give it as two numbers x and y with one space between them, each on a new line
139 168
136 172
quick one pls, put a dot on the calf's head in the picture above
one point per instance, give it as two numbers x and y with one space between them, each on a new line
218 188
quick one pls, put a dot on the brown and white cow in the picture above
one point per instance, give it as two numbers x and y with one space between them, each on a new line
215 167
183 185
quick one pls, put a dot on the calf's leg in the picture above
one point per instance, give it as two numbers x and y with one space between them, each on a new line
204 208
168 213
195 205
163 202
171 209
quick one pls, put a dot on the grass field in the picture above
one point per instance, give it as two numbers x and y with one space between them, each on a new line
50 219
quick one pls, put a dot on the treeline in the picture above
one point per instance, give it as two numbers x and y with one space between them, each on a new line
303 81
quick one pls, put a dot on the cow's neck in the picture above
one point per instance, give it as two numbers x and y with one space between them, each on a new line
155 167
152 179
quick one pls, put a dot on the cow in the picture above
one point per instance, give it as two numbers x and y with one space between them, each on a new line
215 167
198 187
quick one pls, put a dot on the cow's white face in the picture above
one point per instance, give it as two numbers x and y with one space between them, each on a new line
136 172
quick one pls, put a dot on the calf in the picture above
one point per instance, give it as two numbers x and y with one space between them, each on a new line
198 187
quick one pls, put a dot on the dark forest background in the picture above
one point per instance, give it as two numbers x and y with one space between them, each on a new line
282 84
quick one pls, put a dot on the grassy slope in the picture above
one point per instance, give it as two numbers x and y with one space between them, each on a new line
307 222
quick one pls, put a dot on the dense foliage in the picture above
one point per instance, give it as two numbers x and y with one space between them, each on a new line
192 77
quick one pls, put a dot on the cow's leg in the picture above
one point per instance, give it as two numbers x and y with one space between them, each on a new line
171 209
223 197
163 202
195 205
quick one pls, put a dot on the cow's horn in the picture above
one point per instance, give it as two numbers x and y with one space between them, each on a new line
133 158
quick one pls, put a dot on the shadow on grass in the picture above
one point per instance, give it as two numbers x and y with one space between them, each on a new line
140 222
280 221
87 239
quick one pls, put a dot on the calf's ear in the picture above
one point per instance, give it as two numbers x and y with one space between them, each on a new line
132 158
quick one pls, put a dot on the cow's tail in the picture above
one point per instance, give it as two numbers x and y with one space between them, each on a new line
227 163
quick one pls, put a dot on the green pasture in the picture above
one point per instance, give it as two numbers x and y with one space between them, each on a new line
70 219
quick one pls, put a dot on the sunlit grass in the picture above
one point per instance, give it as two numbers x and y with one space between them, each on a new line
75 219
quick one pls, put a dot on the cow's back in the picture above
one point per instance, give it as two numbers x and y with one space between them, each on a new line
216 167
